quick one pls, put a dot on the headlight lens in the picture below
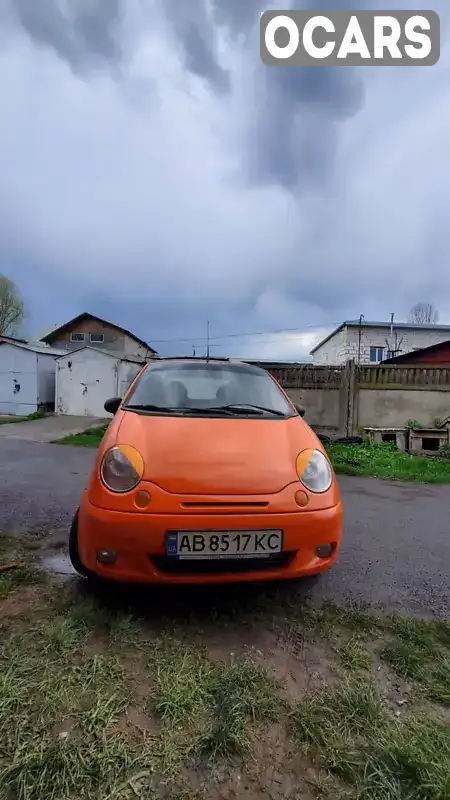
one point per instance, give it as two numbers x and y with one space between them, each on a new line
314 471
121 469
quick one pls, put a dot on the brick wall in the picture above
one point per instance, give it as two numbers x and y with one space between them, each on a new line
334 351
344 346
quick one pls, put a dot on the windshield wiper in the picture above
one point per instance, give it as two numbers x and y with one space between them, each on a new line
231 410
150 407
247 408
178 409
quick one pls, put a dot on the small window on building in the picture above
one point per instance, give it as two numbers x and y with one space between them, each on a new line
96 338
376 354
77 337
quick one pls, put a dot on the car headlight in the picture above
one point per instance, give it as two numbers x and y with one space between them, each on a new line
314 471
122 468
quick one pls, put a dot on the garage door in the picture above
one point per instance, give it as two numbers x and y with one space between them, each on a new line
84 385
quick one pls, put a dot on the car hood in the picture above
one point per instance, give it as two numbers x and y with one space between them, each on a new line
186 455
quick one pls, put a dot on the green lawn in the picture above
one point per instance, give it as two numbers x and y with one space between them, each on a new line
118 695
386 461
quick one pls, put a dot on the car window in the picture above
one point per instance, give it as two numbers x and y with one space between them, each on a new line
207 385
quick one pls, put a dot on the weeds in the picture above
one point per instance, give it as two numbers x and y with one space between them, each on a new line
386 461
88 438
354 656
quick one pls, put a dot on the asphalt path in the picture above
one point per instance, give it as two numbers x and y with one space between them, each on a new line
395 553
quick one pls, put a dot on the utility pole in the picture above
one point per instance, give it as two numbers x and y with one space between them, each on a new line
207 340
361 320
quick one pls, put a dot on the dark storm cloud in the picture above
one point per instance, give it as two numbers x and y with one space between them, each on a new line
292 130
84 33
196 37
239 16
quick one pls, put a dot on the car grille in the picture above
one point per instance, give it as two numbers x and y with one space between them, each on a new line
175 566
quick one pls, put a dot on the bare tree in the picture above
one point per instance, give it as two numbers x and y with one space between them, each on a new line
12 309
423 314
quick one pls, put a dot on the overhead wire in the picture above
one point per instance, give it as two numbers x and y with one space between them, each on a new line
195 339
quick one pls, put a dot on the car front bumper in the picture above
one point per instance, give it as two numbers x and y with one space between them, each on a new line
138 539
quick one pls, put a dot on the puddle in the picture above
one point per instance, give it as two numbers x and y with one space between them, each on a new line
58 564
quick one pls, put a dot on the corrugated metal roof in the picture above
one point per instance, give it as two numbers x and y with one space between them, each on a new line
35 348
104 352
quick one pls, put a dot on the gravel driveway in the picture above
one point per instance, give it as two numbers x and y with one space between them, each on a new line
395 553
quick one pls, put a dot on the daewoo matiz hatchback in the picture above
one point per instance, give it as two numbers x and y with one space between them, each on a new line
207 473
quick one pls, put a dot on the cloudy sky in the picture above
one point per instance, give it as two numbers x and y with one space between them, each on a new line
154 172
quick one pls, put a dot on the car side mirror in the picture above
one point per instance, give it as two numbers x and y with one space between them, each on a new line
112 404
299 409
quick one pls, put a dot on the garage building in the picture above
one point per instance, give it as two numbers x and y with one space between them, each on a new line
87 377
27 377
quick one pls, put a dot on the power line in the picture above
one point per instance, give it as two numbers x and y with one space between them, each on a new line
265 341
192 339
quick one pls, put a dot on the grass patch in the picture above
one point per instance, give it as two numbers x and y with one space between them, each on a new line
407 762
28 418
386 461
221 702
354 656
13 551
182 684
242 694
112 699
19 576
378 756
329 618
89 438
419 651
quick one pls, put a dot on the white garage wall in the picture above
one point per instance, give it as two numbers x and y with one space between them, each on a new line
18 381
87 377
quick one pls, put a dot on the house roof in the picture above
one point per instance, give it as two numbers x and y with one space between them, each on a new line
71 353
355 323
85 315
412 354
12 339
44 350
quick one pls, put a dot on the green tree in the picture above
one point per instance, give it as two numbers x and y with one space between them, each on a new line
12 309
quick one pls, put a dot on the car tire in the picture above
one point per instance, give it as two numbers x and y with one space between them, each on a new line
74 554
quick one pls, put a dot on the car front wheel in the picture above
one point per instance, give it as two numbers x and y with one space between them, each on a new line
74 554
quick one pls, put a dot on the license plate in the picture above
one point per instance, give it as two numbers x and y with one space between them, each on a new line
223 544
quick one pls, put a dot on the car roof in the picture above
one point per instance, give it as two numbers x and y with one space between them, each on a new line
198 360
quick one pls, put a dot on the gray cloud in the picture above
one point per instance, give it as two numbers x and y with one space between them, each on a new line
291 131
281 198
238 16
197 39
85 33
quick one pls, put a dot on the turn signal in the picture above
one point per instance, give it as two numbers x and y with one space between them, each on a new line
301 498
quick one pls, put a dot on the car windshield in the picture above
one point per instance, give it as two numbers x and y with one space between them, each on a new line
208 388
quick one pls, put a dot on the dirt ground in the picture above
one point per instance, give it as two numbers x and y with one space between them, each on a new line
209 694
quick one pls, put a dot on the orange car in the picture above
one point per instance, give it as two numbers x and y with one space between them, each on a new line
207 473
